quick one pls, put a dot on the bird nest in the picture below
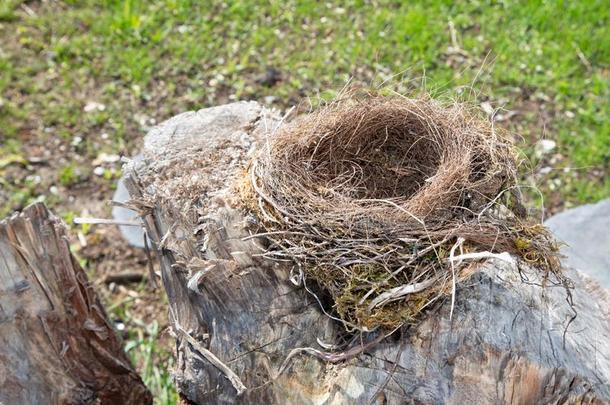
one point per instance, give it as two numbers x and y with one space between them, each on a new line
386 203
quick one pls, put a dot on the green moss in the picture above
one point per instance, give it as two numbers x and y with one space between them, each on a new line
523 244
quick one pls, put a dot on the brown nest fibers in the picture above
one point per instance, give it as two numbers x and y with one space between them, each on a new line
387 202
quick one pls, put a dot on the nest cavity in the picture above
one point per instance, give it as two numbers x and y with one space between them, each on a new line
375 200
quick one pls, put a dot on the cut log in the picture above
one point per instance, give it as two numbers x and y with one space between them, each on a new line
56 343
247 334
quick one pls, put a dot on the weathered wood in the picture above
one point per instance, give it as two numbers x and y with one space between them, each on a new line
56 344
238 318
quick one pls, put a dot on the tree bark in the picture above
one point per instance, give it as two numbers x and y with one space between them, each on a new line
246 333
56 343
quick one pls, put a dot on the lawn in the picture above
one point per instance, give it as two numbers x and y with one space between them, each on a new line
82 81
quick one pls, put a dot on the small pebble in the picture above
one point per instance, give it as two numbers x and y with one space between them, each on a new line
94 105
76 140
544 147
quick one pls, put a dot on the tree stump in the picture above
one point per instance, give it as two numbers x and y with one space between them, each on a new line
246 333
56 343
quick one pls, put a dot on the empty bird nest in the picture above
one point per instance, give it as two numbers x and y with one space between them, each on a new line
386 203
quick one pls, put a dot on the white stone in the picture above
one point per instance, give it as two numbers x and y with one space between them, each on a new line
544 147
94 105
76 140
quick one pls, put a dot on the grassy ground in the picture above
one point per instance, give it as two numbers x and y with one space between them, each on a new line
81 81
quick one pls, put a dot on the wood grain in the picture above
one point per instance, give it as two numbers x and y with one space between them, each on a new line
56 343
509 341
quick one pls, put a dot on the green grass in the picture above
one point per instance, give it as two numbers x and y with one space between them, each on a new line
550 60
154 362
547 61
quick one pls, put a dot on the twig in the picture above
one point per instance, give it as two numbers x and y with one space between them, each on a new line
124 277
400 292
104 221
505 256
331 357
457 244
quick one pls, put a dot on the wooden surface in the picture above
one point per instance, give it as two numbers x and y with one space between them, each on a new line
56 344
239 318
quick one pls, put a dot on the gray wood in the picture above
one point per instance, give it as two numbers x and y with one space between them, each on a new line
237 317
56 344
